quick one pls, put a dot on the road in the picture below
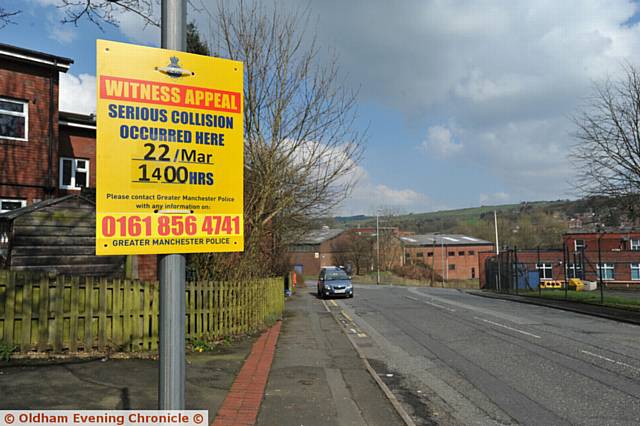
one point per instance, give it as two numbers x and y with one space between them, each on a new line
455 358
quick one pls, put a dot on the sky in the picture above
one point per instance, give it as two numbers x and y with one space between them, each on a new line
465 102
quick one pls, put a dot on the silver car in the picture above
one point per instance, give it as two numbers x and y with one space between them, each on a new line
334 281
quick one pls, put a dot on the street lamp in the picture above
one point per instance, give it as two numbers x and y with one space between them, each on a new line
378 247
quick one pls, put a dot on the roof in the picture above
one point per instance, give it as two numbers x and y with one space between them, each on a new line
443 239
605 230
319 236
12 214
72 119
33 56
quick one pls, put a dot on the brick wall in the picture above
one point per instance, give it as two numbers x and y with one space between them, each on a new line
148 267
79 143
464 259
25 164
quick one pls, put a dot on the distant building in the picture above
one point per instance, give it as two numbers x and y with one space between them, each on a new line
452 256
316 249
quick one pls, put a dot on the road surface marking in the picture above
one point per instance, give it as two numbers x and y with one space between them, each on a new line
508 328
333 302
431 303
346 316
611 360
325 306
362 334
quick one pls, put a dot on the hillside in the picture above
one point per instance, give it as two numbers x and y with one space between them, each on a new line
528 224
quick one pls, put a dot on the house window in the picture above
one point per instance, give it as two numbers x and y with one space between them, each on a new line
635 271
14 119
452 253
9 204
460 253
430 254
452 267
74 173
607 271
419 254
574 270
471 252
579 245
545 270
635 245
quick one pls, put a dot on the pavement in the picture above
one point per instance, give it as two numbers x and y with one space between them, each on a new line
317 377
303 371
118 383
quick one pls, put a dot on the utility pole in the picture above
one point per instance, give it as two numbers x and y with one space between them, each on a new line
495 222
171 267
378 246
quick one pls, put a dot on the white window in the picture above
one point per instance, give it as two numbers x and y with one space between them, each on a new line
545 270
579 245
607 271
74 173
635 271
7 204
635 245
14 119
575 270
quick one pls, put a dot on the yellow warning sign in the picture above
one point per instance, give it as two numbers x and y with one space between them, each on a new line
169 151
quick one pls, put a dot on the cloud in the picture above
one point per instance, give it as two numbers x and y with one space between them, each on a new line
78 93
440 142
508 74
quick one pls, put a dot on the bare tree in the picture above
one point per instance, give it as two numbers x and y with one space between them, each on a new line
301 150
108 11
608 133
6 16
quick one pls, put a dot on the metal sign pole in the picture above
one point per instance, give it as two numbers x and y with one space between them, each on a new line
171 268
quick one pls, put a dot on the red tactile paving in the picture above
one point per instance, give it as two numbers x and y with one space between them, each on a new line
242 403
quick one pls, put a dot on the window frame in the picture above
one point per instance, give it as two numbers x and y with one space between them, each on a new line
23 201
574 270
634 247
636 267
542 266
74 168
24 114
606 267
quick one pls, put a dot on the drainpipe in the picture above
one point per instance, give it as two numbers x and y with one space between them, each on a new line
50 183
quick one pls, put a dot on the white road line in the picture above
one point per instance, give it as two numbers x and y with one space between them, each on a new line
431 303
611 360
325 306
438 306
509 328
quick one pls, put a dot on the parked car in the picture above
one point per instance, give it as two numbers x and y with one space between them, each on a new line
334 281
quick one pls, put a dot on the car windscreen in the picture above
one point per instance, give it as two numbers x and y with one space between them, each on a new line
336 275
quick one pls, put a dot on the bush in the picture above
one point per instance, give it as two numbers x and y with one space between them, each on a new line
420 272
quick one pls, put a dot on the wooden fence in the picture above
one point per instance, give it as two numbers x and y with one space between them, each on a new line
47 313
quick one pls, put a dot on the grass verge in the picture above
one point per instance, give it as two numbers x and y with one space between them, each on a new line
591 297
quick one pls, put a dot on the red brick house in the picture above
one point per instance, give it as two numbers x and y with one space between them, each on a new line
45 153
29 83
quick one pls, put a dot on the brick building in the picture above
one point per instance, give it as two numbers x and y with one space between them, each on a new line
454 257
316 249
45 153
615 251
29 84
